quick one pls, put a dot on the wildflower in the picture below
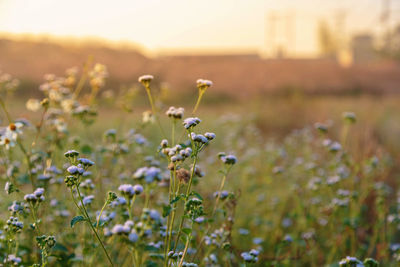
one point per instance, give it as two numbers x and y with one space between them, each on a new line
288 238
222 195
199 138
229 159
146 79
191 122
349 117
127 190
209 136
39 192
138 189
183 175
350 262
33 104
149 174
85 162
87 184
71 153
12 259
14 225
243 231
322 128
154 215
120 229
198 171
88 200
164 143
176 113
204 84
248 257
111 196
133 236
73 170
335 147
148 117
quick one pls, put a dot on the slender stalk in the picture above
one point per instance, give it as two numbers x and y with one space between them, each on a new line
186 196
39 127
3 105
101 212
82 81
154 110
201 93
213 212
185 250
28 161
130 211
92 227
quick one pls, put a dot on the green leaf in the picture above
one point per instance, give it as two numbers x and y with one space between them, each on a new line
77 219
151 264
156 256
166 210
150 248
197 195
186 231
86 149
101 223
176 199
60 247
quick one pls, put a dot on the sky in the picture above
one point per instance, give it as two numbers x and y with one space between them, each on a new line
193 25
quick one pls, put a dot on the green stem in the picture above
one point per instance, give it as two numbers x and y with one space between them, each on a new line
101 212
186 197
154 110
130 211
185 250
201 93
3 105
92 227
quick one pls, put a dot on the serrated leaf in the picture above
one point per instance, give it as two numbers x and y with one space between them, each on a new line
77 219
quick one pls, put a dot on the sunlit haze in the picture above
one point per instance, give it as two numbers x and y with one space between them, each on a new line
208 25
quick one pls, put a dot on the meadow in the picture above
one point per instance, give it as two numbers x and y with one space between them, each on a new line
143 177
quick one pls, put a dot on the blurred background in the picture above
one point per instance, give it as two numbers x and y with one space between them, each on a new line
304 60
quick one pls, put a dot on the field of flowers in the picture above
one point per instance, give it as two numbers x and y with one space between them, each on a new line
170 188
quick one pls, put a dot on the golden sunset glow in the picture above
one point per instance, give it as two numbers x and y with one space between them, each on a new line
228 25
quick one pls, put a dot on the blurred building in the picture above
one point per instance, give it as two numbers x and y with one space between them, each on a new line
363 49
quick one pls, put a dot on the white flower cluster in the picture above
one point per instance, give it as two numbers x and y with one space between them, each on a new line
176 153
176 113
130 190
14 225
203 139
201 83
191 122
227 159
149 174
251 256
9 134
35 197
12 259
98 75
123 229
146 78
